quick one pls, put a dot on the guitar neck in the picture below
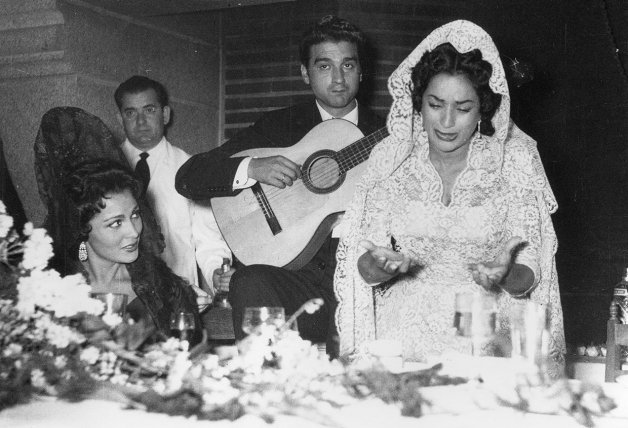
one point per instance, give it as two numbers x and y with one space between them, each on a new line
359 151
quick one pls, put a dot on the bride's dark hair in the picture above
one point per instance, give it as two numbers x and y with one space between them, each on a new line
446 59
87 185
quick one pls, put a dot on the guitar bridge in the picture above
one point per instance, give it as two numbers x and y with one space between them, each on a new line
269 214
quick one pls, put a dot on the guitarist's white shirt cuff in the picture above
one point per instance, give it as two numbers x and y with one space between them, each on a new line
241 179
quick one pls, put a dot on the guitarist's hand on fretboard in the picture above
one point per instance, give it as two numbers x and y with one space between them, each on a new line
277 171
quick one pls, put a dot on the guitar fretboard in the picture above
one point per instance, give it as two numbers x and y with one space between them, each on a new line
359 151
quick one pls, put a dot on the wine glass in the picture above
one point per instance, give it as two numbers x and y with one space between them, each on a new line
256 317
115 303
182 325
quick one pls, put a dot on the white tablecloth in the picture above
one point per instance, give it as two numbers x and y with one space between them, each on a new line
48 413
467 405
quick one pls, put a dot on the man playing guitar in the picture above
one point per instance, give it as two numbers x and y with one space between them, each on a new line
331 54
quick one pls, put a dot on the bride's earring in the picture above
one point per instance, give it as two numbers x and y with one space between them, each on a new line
480 126
82 252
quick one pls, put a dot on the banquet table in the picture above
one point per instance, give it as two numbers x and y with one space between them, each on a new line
467 405
49 413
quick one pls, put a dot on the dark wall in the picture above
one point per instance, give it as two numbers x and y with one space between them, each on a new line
575 106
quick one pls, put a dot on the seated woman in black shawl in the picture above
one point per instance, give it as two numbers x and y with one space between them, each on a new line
104 241
78 166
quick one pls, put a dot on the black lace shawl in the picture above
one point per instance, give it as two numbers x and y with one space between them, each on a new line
67 136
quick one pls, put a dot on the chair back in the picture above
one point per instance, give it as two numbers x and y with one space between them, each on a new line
616 337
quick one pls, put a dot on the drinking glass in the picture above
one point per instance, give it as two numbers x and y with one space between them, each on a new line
115 303
475 317
255 317
182 325
529 334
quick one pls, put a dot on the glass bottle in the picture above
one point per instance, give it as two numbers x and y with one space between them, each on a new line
220 298
620 297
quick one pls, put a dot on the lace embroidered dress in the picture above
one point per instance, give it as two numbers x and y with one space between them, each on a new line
501 193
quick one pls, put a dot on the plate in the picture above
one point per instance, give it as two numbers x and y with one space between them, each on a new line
410 366
622 380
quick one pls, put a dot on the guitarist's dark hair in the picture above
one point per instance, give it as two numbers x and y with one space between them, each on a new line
334 29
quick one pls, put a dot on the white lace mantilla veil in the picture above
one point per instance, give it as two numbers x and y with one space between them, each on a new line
355 312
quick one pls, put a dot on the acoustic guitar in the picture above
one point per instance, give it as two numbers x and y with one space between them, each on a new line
286 227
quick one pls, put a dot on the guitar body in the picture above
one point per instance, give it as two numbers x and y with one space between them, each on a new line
285 227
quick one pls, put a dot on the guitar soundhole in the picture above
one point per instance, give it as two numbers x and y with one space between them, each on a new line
321 172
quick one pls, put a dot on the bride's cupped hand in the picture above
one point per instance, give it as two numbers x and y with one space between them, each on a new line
379 264
491 274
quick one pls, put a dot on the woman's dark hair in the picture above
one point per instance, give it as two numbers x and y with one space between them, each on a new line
446 59
87 184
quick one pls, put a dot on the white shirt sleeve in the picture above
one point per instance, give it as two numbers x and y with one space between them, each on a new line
209 244
241 179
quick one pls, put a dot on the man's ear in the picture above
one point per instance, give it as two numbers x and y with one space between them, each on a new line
119 116
166 115
304 75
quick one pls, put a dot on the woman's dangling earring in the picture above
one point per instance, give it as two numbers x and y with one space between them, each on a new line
480 126
82 252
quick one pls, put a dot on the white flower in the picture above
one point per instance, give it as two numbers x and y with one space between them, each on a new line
61 361
313 305
90 355
178 370
38 379
12 350
65 296
112 319
37 250
6 223
28 229
58 335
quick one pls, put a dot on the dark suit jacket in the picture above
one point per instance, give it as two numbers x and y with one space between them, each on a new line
211 174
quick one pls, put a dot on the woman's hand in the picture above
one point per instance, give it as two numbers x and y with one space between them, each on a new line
380 264
490 274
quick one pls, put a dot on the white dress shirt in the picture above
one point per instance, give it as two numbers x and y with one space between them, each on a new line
189 227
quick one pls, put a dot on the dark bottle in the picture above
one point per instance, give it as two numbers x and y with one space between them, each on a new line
220 299
620 297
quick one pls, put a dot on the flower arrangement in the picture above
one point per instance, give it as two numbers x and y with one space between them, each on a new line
53 341
40 344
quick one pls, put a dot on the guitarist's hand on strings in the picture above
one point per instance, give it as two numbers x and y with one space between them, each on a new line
379 264
277 171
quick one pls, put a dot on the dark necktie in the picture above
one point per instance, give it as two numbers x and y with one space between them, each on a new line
142 172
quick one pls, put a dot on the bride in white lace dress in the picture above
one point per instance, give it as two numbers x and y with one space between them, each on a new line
455 199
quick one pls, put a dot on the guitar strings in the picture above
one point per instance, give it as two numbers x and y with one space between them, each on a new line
364 147
354 151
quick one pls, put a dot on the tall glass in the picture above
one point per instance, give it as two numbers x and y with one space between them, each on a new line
115 303
257 317
529 334
475 317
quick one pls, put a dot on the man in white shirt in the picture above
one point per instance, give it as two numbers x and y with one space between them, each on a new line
192 238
